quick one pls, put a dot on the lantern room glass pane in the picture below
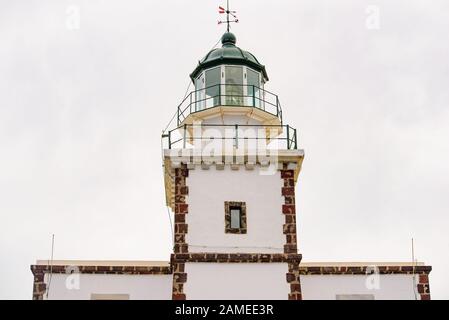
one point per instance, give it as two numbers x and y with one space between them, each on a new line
253 81
213 77
234 85
235 218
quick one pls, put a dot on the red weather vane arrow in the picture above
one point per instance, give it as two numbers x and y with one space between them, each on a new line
228 12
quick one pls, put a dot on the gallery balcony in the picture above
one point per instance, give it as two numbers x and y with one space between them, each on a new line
221 98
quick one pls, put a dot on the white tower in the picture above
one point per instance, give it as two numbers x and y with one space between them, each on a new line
231 165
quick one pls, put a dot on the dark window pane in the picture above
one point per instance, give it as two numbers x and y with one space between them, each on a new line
235 218
234 85
212 86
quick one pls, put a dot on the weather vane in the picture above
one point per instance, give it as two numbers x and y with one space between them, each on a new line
228 12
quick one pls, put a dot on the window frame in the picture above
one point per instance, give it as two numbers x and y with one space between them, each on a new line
229 205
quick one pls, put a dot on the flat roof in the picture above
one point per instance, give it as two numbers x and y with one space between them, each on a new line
140 263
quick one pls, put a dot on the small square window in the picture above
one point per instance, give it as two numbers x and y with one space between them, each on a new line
235 217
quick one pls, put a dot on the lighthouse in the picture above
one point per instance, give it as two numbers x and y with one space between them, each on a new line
231 164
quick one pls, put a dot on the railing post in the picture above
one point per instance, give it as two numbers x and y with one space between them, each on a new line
190 108
219 94
288 137
184 138
254 96
296 142
280 116
277 106
236 136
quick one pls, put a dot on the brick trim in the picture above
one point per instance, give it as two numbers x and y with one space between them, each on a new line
39 286
236 257
181 229
423 286
179 278
289 229
293 278
38 269
181 209
422 271
289 210
340 270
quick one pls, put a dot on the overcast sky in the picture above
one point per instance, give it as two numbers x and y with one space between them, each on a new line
82 108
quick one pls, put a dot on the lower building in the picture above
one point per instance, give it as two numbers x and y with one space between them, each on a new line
219 278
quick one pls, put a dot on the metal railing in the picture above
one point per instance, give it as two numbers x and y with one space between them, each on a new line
234 95
186 135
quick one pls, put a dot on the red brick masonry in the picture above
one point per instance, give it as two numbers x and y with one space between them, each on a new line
236 257
289 229
181 229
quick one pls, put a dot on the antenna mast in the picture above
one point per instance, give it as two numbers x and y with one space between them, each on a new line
50 263
413 268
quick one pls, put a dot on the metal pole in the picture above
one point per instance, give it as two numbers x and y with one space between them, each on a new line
288 137
169 139
227 14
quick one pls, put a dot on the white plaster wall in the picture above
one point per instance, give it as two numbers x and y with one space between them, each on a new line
243 281
326 287
209 189
141 287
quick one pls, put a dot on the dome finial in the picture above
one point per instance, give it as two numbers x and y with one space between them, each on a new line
228 39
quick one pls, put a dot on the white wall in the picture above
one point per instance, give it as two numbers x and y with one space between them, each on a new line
137 286
326 287
209 189
244 281
231 281
229 132
231 119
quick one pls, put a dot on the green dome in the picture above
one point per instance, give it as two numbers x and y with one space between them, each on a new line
229 53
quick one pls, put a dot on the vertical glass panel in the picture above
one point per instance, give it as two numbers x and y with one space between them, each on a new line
213 77
234 85
235 218
199 95
253 82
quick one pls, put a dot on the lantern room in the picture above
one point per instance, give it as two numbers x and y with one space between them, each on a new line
229 76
